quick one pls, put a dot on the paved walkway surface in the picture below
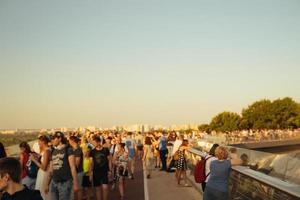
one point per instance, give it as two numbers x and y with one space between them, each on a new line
134 188
163 186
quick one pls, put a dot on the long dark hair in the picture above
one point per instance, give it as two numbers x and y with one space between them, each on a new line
2 151
26 147
213 149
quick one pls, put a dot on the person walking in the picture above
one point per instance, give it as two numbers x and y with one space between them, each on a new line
100 168
62 169
121 161
148 155
131 146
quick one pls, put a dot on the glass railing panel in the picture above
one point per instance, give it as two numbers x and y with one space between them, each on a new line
247 184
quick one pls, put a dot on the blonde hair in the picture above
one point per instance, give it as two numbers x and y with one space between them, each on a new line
221 153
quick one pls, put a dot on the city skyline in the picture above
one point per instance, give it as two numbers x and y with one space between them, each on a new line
67 64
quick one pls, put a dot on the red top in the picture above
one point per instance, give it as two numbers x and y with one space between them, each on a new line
24 164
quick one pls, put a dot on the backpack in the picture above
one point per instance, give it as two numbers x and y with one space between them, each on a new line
199 171
32 169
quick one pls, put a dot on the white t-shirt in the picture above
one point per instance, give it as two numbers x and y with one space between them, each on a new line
207 165
176 146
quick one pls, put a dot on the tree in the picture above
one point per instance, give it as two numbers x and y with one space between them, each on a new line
264 114
225 121
204 128
258 115
285 112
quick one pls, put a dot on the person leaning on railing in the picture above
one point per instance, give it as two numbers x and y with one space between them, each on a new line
217 185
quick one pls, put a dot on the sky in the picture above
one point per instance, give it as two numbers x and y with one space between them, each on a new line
104 63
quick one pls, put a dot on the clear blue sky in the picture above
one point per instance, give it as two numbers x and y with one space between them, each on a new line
77 63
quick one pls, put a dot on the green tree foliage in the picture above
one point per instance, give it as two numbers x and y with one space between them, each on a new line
285 112
225 121
257 116
264 114
204 128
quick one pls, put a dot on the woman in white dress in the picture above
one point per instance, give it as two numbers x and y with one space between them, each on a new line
43 164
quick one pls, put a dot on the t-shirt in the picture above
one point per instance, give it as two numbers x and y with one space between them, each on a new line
219 175
129 143
24 194
60 163
139 140
207 165
100 160
176 146
78 153
162 143
86 166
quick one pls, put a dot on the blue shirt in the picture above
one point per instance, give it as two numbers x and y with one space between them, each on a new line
219 175
162 143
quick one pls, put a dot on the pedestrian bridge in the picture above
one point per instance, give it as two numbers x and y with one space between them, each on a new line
245 184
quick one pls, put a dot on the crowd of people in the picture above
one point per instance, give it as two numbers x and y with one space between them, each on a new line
90 165
248 136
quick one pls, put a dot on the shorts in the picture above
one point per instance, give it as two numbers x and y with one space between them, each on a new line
99 180
86 181
131 153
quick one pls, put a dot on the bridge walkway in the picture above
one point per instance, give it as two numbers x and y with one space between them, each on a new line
161 186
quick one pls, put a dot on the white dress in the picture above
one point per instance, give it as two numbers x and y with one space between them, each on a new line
41 181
